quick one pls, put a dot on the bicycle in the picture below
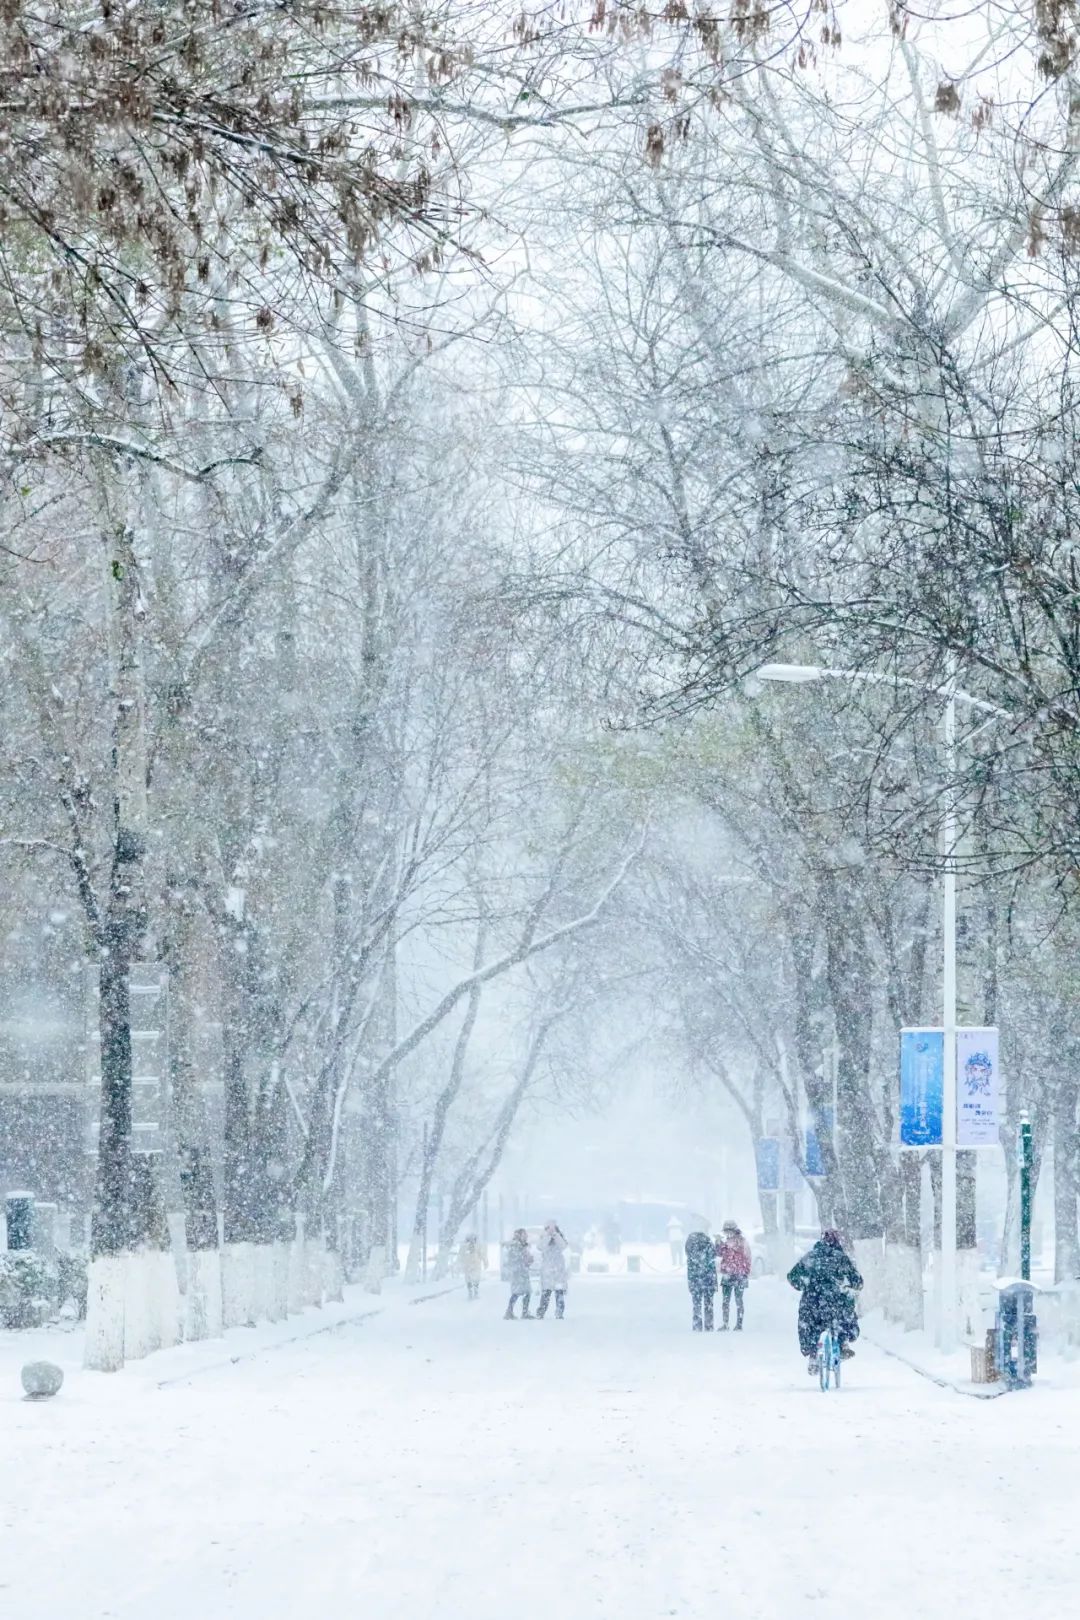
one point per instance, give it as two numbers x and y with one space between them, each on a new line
829 1357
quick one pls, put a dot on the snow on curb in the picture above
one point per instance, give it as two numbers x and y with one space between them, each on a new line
422 1299
976 1392
181 1363
343 1318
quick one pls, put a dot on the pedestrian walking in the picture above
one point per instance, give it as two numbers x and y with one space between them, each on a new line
519 1263
733 1264
675 1238
472 1263
552 1271
701 1278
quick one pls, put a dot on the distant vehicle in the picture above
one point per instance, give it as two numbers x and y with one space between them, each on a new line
803 1238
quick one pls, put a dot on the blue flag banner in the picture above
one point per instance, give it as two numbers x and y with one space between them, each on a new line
815 1159
767 1153
791 1177
922 1082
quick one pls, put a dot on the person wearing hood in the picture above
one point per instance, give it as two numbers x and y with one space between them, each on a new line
828 1282
552 1248
519 1262
472 1263
701 1278
733 1264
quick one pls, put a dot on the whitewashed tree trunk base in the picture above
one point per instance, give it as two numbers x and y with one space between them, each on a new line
1068 1319
203 1317
263 1254
375 1270
314 1266
279 1299
869 1257
412 1262
932 1293
903 1286
296 1269
237 1285
141 1324
333 1277
165 1302
178 1247
103 1349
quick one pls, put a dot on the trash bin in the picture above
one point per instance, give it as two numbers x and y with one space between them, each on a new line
1016 1336
633 1262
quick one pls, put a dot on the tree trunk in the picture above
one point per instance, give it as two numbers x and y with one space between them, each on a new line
969 1316
125 918
1066 1232
117 1215
474 1176
188 1123
817 1080
848 962
443 1104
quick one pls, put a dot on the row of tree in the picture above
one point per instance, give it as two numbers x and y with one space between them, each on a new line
419 421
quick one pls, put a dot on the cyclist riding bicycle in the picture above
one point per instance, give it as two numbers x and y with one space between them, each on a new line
828 1281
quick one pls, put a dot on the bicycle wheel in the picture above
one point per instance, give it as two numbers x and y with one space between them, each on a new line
825 1359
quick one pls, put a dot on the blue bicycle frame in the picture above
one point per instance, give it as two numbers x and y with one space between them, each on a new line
828 1357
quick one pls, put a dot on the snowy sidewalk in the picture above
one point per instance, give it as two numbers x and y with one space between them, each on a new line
64 1344
442 1464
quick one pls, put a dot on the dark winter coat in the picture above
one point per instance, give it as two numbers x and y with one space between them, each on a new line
826 1278
519 1263
700 1264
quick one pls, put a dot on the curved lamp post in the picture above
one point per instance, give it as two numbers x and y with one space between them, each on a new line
803 674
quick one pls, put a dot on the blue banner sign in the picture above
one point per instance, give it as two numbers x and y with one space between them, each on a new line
767 1153
922 1084
815 1159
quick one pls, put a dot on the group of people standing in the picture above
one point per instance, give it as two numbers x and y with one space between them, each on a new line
825 1278
521 1262
553 1272
722 1262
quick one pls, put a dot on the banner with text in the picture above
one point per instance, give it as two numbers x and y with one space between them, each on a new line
922 1080
980 1100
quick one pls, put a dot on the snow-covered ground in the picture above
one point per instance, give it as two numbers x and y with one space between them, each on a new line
434 1462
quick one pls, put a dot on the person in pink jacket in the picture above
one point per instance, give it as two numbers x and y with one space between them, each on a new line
733 1264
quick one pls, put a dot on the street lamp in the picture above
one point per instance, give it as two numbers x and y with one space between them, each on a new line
802 674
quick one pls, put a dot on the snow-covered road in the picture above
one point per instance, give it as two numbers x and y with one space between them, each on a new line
437 1463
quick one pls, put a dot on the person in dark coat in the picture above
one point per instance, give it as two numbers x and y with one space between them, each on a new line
701 1277
827 1280
519 1264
